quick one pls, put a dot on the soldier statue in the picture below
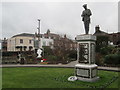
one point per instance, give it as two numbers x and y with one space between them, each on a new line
86 18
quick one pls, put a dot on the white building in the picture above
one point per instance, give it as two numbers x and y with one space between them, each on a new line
47 42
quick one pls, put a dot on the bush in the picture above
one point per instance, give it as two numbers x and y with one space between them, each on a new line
102 41
99 59
106 50
51 58
112 59
72 55
47 51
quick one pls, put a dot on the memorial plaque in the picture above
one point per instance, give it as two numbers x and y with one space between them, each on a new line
82 72
94 72
92 53
83 53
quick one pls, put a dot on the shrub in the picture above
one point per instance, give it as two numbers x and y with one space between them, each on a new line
73 55
99 59
47 51
102 41
106 50
112 59
51 58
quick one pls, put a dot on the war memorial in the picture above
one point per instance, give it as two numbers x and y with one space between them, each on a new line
86 70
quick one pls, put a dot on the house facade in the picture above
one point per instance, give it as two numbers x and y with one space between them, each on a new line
112 37
61 42
26 42
23 42
115 38
4 45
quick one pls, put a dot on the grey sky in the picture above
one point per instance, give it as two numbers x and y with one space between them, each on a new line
59 17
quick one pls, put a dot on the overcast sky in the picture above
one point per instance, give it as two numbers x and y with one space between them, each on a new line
59 17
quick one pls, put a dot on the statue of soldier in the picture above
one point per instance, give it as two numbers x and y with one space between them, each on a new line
86 17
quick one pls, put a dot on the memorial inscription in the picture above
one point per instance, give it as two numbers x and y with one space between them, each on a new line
83 53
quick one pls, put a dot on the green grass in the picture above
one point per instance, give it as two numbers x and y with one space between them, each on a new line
29 77
0 78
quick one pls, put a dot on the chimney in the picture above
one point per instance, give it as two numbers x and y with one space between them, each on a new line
65 36
4 39
97 28
48 31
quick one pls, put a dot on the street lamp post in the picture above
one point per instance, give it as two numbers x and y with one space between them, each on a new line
39 51
38 33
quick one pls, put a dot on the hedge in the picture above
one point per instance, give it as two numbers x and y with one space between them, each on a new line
112 59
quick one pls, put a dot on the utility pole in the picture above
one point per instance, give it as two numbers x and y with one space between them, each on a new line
39 51
38 33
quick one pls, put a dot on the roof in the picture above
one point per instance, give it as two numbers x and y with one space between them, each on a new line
100 33
25 34
33 35
118 33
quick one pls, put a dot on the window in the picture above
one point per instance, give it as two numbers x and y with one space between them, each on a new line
41 36
50 43
52 37
44 43
71 45
30 48
36 44
30 41
21 40
46 37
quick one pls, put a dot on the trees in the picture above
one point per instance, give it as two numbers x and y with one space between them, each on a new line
59 54
101 48
48 54
108 55
113 58
102 41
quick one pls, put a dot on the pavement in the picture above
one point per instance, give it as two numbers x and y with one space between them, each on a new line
117 69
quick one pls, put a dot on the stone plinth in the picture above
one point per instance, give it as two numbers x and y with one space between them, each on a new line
86 69
86 37
86 49
86 72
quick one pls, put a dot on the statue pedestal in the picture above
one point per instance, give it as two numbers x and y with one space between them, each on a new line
86 70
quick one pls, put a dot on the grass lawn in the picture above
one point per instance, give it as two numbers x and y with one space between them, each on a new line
34 77
0 78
